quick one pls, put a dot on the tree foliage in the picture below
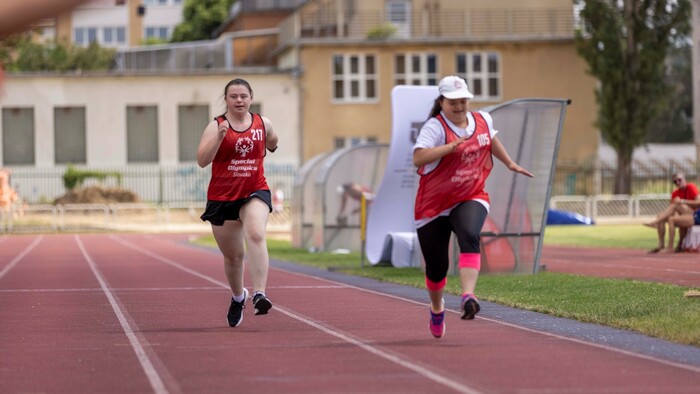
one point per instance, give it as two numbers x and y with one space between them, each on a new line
23 54
200 18
626 44
674 124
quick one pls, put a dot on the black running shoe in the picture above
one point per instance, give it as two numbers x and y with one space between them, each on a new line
261 303
470 307
235 311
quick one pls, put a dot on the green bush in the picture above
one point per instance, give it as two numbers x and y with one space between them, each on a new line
381 32
74 178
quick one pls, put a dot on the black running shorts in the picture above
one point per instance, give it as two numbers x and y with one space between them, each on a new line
217 212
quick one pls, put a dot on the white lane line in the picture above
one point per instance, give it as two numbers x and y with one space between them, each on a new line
20 256
419 369
116 289
385 354
146 364
163 289
575 340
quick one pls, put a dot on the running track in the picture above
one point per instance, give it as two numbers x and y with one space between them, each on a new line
146 313
678 268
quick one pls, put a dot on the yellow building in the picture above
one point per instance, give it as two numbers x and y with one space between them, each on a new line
351 53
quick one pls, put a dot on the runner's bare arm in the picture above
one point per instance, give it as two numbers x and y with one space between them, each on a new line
209 144
270 136
500 152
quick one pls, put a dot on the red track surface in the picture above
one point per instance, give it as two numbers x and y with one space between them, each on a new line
677 268
143 313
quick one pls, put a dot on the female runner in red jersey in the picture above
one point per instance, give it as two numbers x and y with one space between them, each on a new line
238 199
453 156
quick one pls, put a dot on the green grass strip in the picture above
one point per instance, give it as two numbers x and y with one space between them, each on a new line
627 236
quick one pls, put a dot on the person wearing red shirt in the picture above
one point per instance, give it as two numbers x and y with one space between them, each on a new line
238 198
453 155
685 192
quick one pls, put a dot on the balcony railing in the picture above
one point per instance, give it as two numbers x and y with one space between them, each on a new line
250 48
471 24
264 5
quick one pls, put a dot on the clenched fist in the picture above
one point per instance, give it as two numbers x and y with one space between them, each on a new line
223 128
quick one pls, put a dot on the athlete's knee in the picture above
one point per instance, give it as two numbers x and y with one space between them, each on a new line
470 260
234 259
435 285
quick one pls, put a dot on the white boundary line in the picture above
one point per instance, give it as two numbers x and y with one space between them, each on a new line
558 336
575 340
117 289
20 256
419 369
146 364
163 289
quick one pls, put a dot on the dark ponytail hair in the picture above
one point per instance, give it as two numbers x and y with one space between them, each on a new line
239 81
437 107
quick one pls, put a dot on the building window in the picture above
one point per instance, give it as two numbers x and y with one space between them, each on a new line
113 36
342 142
190 122
415 69
159 32
354 78
106 36
142 134
18 136
69 135
482 71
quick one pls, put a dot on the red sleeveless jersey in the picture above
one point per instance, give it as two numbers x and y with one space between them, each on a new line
237 169
459 176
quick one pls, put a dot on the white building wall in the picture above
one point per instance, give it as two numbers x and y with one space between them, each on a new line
101 16
106 98
162 16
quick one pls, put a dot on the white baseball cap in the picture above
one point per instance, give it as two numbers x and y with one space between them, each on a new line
454 87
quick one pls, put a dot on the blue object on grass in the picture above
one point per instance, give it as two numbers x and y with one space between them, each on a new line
555 216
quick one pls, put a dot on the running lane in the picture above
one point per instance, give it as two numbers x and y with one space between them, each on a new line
57 331
677 268
164 303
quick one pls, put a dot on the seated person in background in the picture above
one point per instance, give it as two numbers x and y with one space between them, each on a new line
352 191
685 220
685 192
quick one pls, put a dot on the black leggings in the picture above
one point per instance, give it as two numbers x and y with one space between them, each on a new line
466 220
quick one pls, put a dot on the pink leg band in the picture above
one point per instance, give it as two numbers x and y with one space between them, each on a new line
470 260
435 286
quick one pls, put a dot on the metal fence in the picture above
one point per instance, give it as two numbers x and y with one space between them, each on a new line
591 179
612 206
151 183
142 217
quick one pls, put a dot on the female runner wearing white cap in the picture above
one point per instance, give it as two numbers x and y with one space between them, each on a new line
453 155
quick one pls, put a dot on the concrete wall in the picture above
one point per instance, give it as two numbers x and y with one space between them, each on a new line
106 98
